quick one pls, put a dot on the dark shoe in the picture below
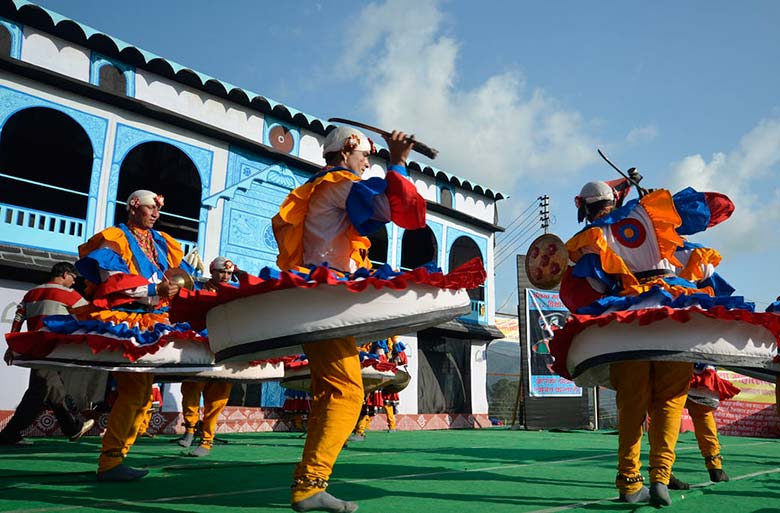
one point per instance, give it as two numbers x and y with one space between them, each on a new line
354 437
717 475
120 473
676 484
86 426
659 495
643 495
323 501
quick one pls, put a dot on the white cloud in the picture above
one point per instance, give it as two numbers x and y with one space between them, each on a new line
746 175
642 134
497 133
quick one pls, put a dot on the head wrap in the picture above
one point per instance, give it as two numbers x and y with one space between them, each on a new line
221 264
144 197
344 138
596 191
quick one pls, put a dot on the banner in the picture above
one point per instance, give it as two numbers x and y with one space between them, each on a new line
543 310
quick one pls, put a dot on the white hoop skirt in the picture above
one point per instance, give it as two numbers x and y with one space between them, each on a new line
586 345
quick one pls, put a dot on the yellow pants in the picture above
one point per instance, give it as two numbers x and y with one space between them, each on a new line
706 433
147 419
337 397
134 398
362 425
390 412
658 389
215 398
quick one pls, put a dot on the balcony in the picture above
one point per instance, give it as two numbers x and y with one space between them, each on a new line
34 228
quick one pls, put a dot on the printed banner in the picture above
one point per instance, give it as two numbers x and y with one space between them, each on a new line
544 309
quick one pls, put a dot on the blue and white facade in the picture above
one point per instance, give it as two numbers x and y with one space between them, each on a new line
245 153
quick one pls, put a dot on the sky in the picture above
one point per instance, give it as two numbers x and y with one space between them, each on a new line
517 96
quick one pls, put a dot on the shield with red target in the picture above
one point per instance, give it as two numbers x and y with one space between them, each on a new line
546 261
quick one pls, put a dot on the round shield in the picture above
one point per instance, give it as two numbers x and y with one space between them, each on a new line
546 261
180 277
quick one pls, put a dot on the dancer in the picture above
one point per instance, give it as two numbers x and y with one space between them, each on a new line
215 393
125 267
629 251
325 221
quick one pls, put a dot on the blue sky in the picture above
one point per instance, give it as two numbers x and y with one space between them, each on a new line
518 95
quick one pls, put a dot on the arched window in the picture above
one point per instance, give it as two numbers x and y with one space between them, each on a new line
445 197
377 253
111 79
5 42
418 247
164 169
45 163
463 250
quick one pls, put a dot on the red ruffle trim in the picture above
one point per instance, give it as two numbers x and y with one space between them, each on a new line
192 306
38 344
710 380
561 342
112 292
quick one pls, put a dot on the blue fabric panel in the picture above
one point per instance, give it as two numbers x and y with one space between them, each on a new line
360 204
589 266
718 284
65 324
145 266
401 170
693 209
102 258
272 394
663 298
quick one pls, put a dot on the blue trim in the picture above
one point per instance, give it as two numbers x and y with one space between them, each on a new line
360 204
146 267
96 128
97 61
127 138
15 30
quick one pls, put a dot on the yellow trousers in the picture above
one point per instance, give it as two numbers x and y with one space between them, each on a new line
134 398
390 412
215 398
706 433
362 425
658 389
147 419
337 397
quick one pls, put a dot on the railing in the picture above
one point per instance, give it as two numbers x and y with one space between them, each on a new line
30 227
478 312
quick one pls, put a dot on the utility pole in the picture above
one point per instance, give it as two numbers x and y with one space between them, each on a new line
544 212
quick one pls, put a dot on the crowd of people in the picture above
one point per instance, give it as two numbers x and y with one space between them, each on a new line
327 219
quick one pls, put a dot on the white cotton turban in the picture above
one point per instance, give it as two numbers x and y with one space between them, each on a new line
144 197
346 138
221 264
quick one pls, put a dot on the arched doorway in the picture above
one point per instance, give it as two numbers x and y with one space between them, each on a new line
377 253
46 160
418 247
167 170
463 250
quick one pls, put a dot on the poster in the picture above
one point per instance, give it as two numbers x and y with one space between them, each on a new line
544 309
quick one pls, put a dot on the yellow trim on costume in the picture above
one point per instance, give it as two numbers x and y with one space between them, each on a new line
115 239
288 224
610 261
698 260
143 321
659 206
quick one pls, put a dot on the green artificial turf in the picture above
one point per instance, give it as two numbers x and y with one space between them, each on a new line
494 470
